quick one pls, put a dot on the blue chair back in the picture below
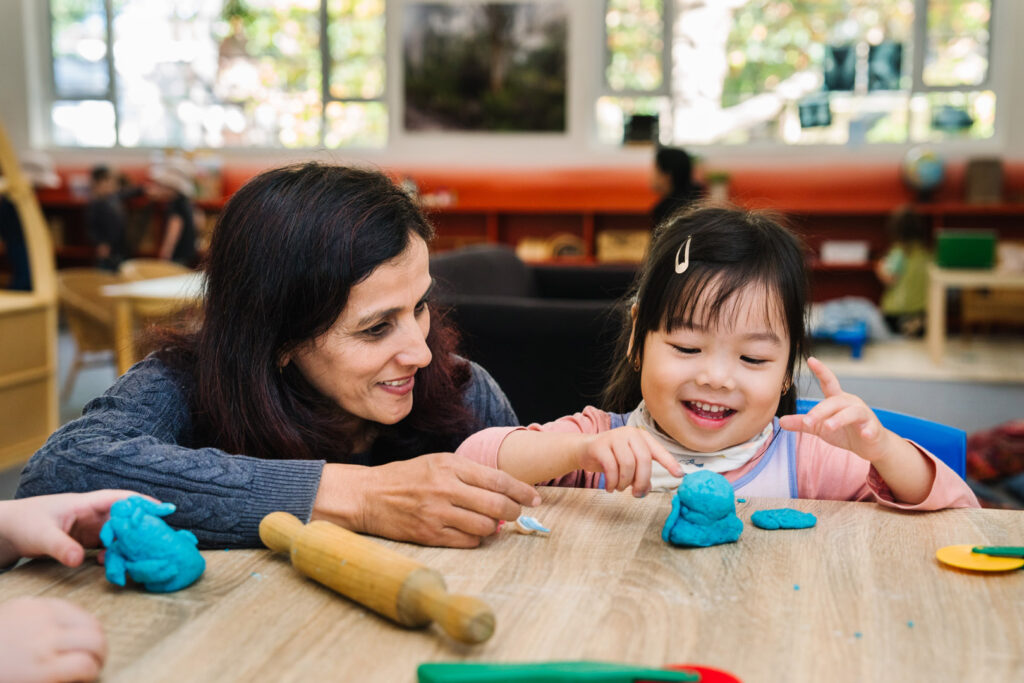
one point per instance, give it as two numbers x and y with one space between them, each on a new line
946 443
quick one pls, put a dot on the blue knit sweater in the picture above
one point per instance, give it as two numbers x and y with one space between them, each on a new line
139 435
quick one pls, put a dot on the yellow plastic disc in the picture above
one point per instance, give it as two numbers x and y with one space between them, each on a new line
962 557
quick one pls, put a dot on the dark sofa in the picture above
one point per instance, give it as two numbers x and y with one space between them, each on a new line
545 332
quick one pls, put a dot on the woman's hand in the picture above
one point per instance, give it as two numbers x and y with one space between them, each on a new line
438 499
49 640
845 421
624 456
58 525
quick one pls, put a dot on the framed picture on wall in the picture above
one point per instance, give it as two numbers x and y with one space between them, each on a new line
485 66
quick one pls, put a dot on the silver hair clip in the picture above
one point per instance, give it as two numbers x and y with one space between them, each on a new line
681 267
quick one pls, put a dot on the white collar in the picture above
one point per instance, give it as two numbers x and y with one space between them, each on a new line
725 460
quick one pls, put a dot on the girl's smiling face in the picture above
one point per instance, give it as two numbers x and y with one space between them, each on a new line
717 383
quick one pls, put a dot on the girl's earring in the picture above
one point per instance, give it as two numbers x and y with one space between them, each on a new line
636 364
786 386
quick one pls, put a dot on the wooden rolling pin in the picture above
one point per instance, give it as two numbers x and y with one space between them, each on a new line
387 582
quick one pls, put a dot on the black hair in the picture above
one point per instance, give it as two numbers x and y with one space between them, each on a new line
286 252
907 226
100 172
729 250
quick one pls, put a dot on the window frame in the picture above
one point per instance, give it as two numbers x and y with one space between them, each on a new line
111 94
917 85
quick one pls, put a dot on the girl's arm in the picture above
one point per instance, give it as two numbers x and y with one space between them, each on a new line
845 421
624 456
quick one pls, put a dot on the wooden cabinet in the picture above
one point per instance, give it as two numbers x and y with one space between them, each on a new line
28 330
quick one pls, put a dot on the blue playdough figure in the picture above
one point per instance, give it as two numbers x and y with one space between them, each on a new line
703 512
783 518
143 545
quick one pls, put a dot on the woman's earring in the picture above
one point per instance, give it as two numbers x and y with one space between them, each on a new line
636 364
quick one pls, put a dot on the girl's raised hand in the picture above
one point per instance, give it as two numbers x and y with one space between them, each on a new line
624 456
842 419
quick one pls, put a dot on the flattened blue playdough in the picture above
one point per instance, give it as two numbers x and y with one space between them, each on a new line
783 518
143 547
703 512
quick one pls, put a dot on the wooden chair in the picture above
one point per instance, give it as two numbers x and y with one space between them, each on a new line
90 319
28 328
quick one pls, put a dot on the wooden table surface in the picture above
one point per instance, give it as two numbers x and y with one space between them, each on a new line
941 279
860 597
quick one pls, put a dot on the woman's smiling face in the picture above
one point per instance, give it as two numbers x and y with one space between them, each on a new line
367 361
717 383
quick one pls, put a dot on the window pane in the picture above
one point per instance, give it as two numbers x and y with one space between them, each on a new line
777 71
355 32
614 112
958 42
363 124
79 48
191 75
83 123
953 116
634 32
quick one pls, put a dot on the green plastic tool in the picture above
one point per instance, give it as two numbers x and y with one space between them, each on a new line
999 550
545 672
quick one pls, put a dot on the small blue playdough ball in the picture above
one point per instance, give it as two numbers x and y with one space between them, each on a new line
783 518
143 547
703 512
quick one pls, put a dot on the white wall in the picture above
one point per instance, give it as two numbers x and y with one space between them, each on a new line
23 79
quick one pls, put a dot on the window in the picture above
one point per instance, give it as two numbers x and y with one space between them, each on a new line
218 73
824 72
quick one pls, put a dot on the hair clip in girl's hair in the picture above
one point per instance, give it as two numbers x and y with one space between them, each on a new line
681 267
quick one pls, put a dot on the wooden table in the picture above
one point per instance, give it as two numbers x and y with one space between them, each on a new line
860 597
941 279
168 293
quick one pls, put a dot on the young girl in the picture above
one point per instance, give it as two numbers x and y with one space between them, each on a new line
705 381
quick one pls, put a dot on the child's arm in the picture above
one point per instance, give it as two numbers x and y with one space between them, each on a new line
624 456
845 421
56 525
45 639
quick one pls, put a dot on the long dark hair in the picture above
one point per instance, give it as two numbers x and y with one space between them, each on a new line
288 248
729 249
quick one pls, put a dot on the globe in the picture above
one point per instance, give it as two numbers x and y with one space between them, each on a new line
923 171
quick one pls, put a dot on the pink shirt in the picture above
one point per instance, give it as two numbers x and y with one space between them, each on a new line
824 472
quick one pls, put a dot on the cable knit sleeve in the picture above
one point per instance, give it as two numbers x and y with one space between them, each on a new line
138 436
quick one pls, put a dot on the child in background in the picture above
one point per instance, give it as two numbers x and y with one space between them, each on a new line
172 182
904 272
105 219
704 380
45 639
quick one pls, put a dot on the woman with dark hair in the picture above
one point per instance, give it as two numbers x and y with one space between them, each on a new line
319 382
672 179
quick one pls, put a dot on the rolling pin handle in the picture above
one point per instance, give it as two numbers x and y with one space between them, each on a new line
278 531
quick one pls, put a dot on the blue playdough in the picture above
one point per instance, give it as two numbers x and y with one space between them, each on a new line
142 545
703 512
783 518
